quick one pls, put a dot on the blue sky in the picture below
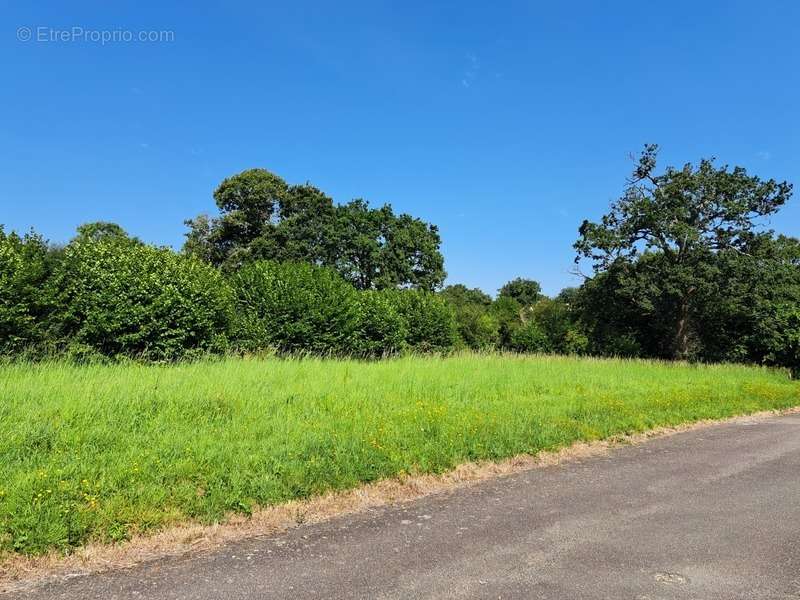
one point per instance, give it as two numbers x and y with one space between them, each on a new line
504 123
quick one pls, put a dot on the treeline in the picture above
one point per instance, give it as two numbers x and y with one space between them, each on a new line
109 295
682 268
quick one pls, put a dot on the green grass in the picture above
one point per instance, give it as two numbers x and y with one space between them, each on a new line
98 452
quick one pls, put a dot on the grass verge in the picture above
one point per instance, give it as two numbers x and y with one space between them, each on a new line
102 453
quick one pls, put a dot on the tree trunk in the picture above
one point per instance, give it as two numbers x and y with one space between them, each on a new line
681 351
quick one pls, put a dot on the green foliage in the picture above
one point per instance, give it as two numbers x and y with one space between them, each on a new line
102 230
508 313
738 308
23 270
556 320
116 297
381 330
681 211
482 332
460 295
378 249
777 335
248 202
262 218
525 291
530 337
294 307
429 320
682 269
679 219
476 327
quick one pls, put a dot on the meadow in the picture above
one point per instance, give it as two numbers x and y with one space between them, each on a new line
98 452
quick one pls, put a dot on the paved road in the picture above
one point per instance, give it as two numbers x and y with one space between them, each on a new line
708 514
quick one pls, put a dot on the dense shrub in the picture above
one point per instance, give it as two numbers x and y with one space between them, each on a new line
508 313
530 337
381 329
477 327
776 339
117 296
294 307
23 270
429 320
559 326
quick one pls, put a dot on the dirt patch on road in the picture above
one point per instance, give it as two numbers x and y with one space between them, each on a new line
17 573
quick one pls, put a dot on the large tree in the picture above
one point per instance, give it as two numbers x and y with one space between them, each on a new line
683 216
525 291
261 217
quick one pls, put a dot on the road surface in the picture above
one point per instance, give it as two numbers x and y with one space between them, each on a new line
712 513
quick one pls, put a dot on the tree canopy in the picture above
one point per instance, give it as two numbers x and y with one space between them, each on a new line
525 291
677 222
262 217
680 212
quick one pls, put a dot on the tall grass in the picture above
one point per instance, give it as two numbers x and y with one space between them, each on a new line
101 451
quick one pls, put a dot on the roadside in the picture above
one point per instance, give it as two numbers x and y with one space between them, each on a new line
204 541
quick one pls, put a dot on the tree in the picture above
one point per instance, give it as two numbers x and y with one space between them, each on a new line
248 203
683 216
508 314
102 230
525 291
263 218
458 295
555 318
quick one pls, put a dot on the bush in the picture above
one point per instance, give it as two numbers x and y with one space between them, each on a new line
529 338
122 297
23 271
560 326
575 342
294 307
429 320
508 313
476 328
381 329
776 339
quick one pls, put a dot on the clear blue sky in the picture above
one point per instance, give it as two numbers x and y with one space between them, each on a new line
504 123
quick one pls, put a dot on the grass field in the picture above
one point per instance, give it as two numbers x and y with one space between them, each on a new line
99 452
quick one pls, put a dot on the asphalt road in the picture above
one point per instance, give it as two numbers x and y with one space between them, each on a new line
707 514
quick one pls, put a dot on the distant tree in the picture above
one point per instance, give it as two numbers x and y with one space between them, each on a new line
262 218
682 215
509 316
478 328
525 291
248 203
305 231
569 295
458 294
558 321
102 230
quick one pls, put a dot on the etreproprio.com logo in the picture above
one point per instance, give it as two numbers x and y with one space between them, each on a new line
93 36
